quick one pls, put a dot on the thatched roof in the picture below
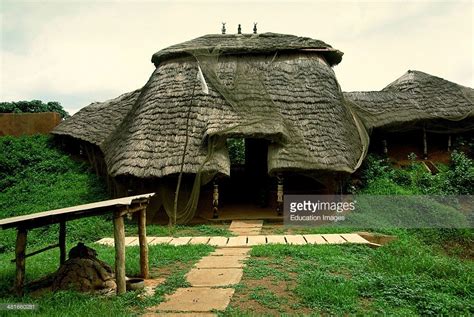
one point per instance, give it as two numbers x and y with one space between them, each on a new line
273 86
98 120
249 44
415 98
305 118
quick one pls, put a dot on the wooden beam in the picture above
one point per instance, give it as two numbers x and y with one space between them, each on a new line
20 260
62 242
119 240
49 247
142 242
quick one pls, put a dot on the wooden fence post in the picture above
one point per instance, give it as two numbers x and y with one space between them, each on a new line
119 240
143 243
20 260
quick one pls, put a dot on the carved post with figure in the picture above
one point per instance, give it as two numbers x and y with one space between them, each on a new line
280 195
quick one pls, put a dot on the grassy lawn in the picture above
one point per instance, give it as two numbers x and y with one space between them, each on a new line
404 278
168 262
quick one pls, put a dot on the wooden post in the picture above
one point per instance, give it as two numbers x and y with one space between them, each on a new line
62 242
142 242
20 260
215 200
425 145
280 195
449 143
119 240
385 147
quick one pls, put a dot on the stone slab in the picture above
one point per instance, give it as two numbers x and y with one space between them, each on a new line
160 240
295 239
214 277
180 241
224 261
240 241
276 239
230 251
197 299
334 238
354 238
218 241
246 224
150 313
106 241
129 240
199 240
246 232
256 240
315 239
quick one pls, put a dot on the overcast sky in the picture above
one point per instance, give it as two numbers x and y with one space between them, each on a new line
78 52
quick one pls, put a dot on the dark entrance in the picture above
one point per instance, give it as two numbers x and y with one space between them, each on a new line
249 182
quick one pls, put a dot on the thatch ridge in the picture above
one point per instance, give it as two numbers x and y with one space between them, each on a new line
249 44
415 97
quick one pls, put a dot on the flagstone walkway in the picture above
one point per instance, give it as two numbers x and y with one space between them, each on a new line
248 240
212 279
211 285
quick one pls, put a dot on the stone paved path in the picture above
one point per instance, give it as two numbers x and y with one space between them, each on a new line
248 240
246 227
211 280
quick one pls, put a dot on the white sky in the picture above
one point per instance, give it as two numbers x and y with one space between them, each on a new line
77 52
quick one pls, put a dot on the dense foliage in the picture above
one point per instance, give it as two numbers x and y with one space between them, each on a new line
32 106
35 176
379 177
236 149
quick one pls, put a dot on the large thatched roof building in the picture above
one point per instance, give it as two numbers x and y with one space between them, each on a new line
280 89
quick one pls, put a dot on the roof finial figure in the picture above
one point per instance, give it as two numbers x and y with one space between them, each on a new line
239 30
255 28
223 27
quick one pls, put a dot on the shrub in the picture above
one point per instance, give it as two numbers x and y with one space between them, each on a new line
32 107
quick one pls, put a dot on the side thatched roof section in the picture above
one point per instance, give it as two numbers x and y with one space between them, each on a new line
249 44
413 99
293 100
96 122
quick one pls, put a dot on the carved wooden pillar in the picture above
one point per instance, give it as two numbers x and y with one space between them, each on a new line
425 145
215 200
280 195
385 147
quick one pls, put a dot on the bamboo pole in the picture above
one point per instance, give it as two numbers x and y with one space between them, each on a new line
62 242
142 242
119 240
20 260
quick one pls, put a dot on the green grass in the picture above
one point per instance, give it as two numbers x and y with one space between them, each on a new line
404 278
177 259
35 176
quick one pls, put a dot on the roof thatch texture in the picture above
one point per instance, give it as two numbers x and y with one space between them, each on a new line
415 98
98 120
298 105
249 43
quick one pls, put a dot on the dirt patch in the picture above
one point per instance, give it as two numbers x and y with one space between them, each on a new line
165 271
461 250
268 295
